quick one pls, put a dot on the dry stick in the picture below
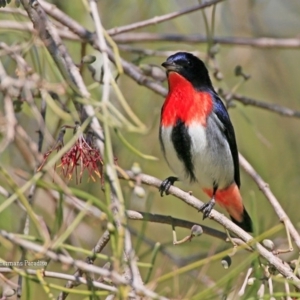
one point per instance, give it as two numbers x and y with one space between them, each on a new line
284 269
75 279
67 21
28 27
143 216
132 272
156 218
11 10
152 52
264 42
264 187
181 261
69 261
90 37
11 121
10 117
25 221
10 136
281 110
140 216
130 69
90 260
163 18
48 34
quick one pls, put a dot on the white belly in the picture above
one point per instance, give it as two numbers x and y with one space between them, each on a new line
211 156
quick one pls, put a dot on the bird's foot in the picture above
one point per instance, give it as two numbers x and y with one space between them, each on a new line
166 184
207 208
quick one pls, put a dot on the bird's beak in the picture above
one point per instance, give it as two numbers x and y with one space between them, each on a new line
170 66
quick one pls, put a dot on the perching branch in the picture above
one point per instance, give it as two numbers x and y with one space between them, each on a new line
284 269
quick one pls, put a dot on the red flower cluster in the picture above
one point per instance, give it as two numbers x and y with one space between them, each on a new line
82 155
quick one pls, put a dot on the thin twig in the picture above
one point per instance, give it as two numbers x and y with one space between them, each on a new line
157 218
263 42
151 52
48 34
264 187
11 122
28 27
76 279
90 260
281 110
117 201
141 37
163 18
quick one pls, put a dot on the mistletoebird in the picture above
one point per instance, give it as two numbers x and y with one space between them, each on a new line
197 137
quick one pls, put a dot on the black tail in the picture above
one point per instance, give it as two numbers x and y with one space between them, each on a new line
246 223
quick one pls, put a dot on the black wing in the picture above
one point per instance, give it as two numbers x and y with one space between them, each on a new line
222 114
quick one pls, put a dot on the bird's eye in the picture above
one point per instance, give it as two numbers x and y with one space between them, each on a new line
186 63
189 63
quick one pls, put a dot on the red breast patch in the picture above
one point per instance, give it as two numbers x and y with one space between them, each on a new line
185 103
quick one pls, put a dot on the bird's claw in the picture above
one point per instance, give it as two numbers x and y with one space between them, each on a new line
207 208
166 184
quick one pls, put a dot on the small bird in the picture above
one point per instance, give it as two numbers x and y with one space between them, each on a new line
198 139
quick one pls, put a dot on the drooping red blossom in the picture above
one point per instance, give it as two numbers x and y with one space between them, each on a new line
83 155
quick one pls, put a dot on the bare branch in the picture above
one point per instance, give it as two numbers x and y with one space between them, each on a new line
11 121
90 260
264 42
160 19
76 279
281 110
283 268
264 187
156 218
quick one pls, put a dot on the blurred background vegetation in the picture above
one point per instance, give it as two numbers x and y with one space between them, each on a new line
269 141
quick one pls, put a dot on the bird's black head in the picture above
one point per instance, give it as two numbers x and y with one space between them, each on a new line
190 67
